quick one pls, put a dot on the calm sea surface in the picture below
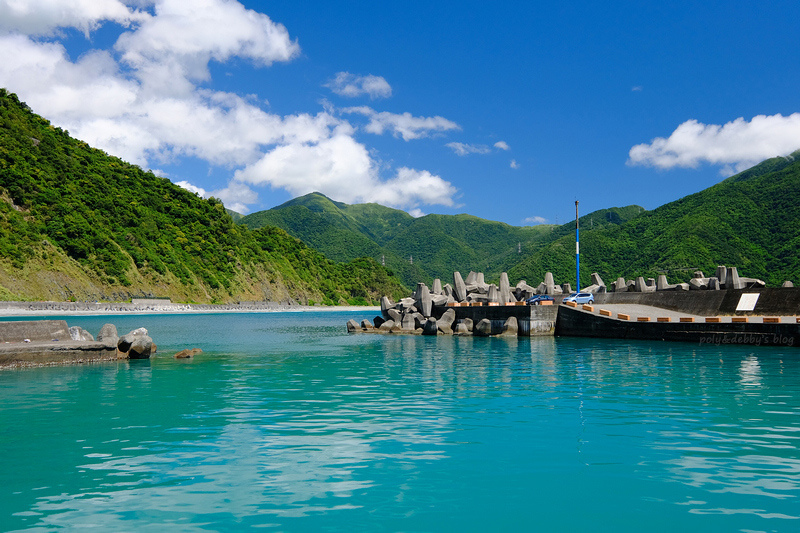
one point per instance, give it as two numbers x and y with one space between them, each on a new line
287 423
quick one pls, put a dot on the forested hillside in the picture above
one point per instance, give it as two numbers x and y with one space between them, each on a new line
77 223
751 221
418 249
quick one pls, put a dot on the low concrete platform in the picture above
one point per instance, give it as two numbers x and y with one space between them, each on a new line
25 354
47 342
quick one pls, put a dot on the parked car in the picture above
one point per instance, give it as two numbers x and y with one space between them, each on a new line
580 298
538 299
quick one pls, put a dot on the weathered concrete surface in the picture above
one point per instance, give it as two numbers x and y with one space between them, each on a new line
15 355
34 331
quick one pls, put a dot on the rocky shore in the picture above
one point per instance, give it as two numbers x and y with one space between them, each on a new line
154 307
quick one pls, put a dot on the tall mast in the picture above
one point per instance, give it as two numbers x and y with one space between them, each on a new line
577 252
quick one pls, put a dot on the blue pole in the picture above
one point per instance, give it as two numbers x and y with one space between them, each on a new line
577 252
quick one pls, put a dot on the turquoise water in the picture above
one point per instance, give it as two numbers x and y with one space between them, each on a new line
287 423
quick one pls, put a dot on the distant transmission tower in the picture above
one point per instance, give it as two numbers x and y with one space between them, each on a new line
411 259
383 260
519 247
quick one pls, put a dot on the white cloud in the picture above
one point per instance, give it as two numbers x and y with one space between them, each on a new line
637 88
191 188
463 149
44 17
141 101
502 145
342 168
351 86
530 221
402 125
514 164
737 145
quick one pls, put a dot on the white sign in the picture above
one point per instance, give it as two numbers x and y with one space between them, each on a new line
747 302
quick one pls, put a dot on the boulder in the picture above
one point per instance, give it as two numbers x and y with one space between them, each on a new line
387 326
620 285
662 284
460 288
386 304
721 274
377 321
511 327
468 323
549 283
186 354
366 325
732 280
505 288
108 335
698 283
461 329
406 303
437 286
447 319
786 284
597 280
141 347
642 286
352 326
483 328
77 333
494 295
394 314
429 327
125 342
440 300
423 299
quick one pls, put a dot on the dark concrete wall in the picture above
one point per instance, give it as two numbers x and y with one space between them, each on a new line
771 301
573 322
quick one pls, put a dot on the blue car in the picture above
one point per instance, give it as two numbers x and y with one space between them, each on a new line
580 298
538 299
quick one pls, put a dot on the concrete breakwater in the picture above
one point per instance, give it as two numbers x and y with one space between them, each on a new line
52 342
742 310
467 307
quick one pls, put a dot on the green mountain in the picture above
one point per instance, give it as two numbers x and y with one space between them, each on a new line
417 249
751 221
77 223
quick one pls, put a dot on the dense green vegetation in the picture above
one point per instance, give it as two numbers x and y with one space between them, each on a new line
130 230
751 221
438 244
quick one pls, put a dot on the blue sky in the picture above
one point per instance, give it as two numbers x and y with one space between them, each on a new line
507 111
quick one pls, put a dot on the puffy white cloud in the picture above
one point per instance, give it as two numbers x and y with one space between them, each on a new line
402 125
502 145
342 168
351 86
463 149
44 17
737 145
141 101
191 188
183 37
514 164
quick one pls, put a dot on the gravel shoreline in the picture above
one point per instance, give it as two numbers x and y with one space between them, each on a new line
11 309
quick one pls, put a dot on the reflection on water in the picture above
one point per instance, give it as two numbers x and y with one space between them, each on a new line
286 422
